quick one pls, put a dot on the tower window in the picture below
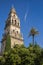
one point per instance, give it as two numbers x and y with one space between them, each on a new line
17 31
13 30
15 22
14 15
12 21
18 24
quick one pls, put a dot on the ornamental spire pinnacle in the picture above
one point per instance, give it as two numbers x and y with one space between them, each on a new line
12 10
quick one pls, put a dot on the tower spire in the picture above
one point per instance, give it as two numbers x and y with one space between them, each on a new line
12 10
12 28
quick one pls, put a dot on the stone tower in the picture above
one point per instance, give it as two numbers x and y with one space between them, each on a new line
12 28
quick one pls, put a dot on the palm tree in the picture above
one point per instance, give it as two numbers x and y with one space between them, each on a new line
33 32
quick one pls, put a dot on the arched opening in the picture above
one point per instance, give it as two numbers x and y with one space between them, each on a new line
12 21
18 24
17 32
13 30
15 22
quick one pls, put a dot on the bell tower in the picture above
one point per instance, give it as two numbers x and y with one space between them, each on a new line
12 27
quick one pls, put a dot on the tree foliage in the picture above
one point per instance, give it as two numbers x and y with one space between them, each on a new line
20 55
8 43
32 33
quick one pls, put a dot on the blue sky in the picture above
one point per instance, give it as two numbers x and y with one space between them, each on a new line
30 13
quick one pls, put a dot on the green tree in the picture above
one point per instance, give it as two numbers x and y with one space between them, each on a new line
32 33
41 57
2 60
8 43
21 55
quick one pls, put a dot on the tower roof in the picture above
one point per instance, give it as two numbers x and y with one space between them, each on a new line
12 10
